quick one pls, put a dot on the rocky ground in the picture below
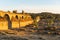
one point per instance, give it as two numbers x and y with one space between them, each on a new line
26 35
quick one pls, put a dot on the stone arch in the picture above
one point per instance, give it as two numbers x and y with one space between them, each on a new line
22 17
16 16
7 17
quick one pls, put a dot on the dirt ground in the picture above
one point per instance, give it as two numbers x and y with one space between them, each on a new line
23 35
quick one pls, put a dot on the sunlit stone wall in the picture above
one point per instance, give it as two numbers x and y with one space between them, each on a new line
15 23
3 24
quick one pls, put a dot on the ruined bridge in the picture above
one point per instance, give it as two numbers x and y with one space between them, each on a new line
14 14
14 20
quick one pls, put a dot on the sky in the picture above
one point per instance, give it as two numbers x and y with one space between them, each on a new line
32 6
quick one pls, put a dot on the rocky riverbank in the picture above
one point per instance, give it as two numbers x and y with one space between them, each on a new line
25 35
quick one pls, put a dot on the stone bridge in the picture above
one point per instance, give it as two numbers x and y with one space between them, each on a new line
9 15
23 19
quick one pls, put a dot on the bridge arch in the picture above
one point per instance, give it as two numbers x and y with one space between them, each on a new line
16 16
8 19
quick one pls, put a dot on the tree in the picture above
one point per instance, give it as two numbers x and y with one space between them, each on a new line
50 22
36 20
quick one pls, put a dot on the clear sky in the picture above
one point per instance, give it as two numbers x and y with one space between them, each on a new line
31 5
